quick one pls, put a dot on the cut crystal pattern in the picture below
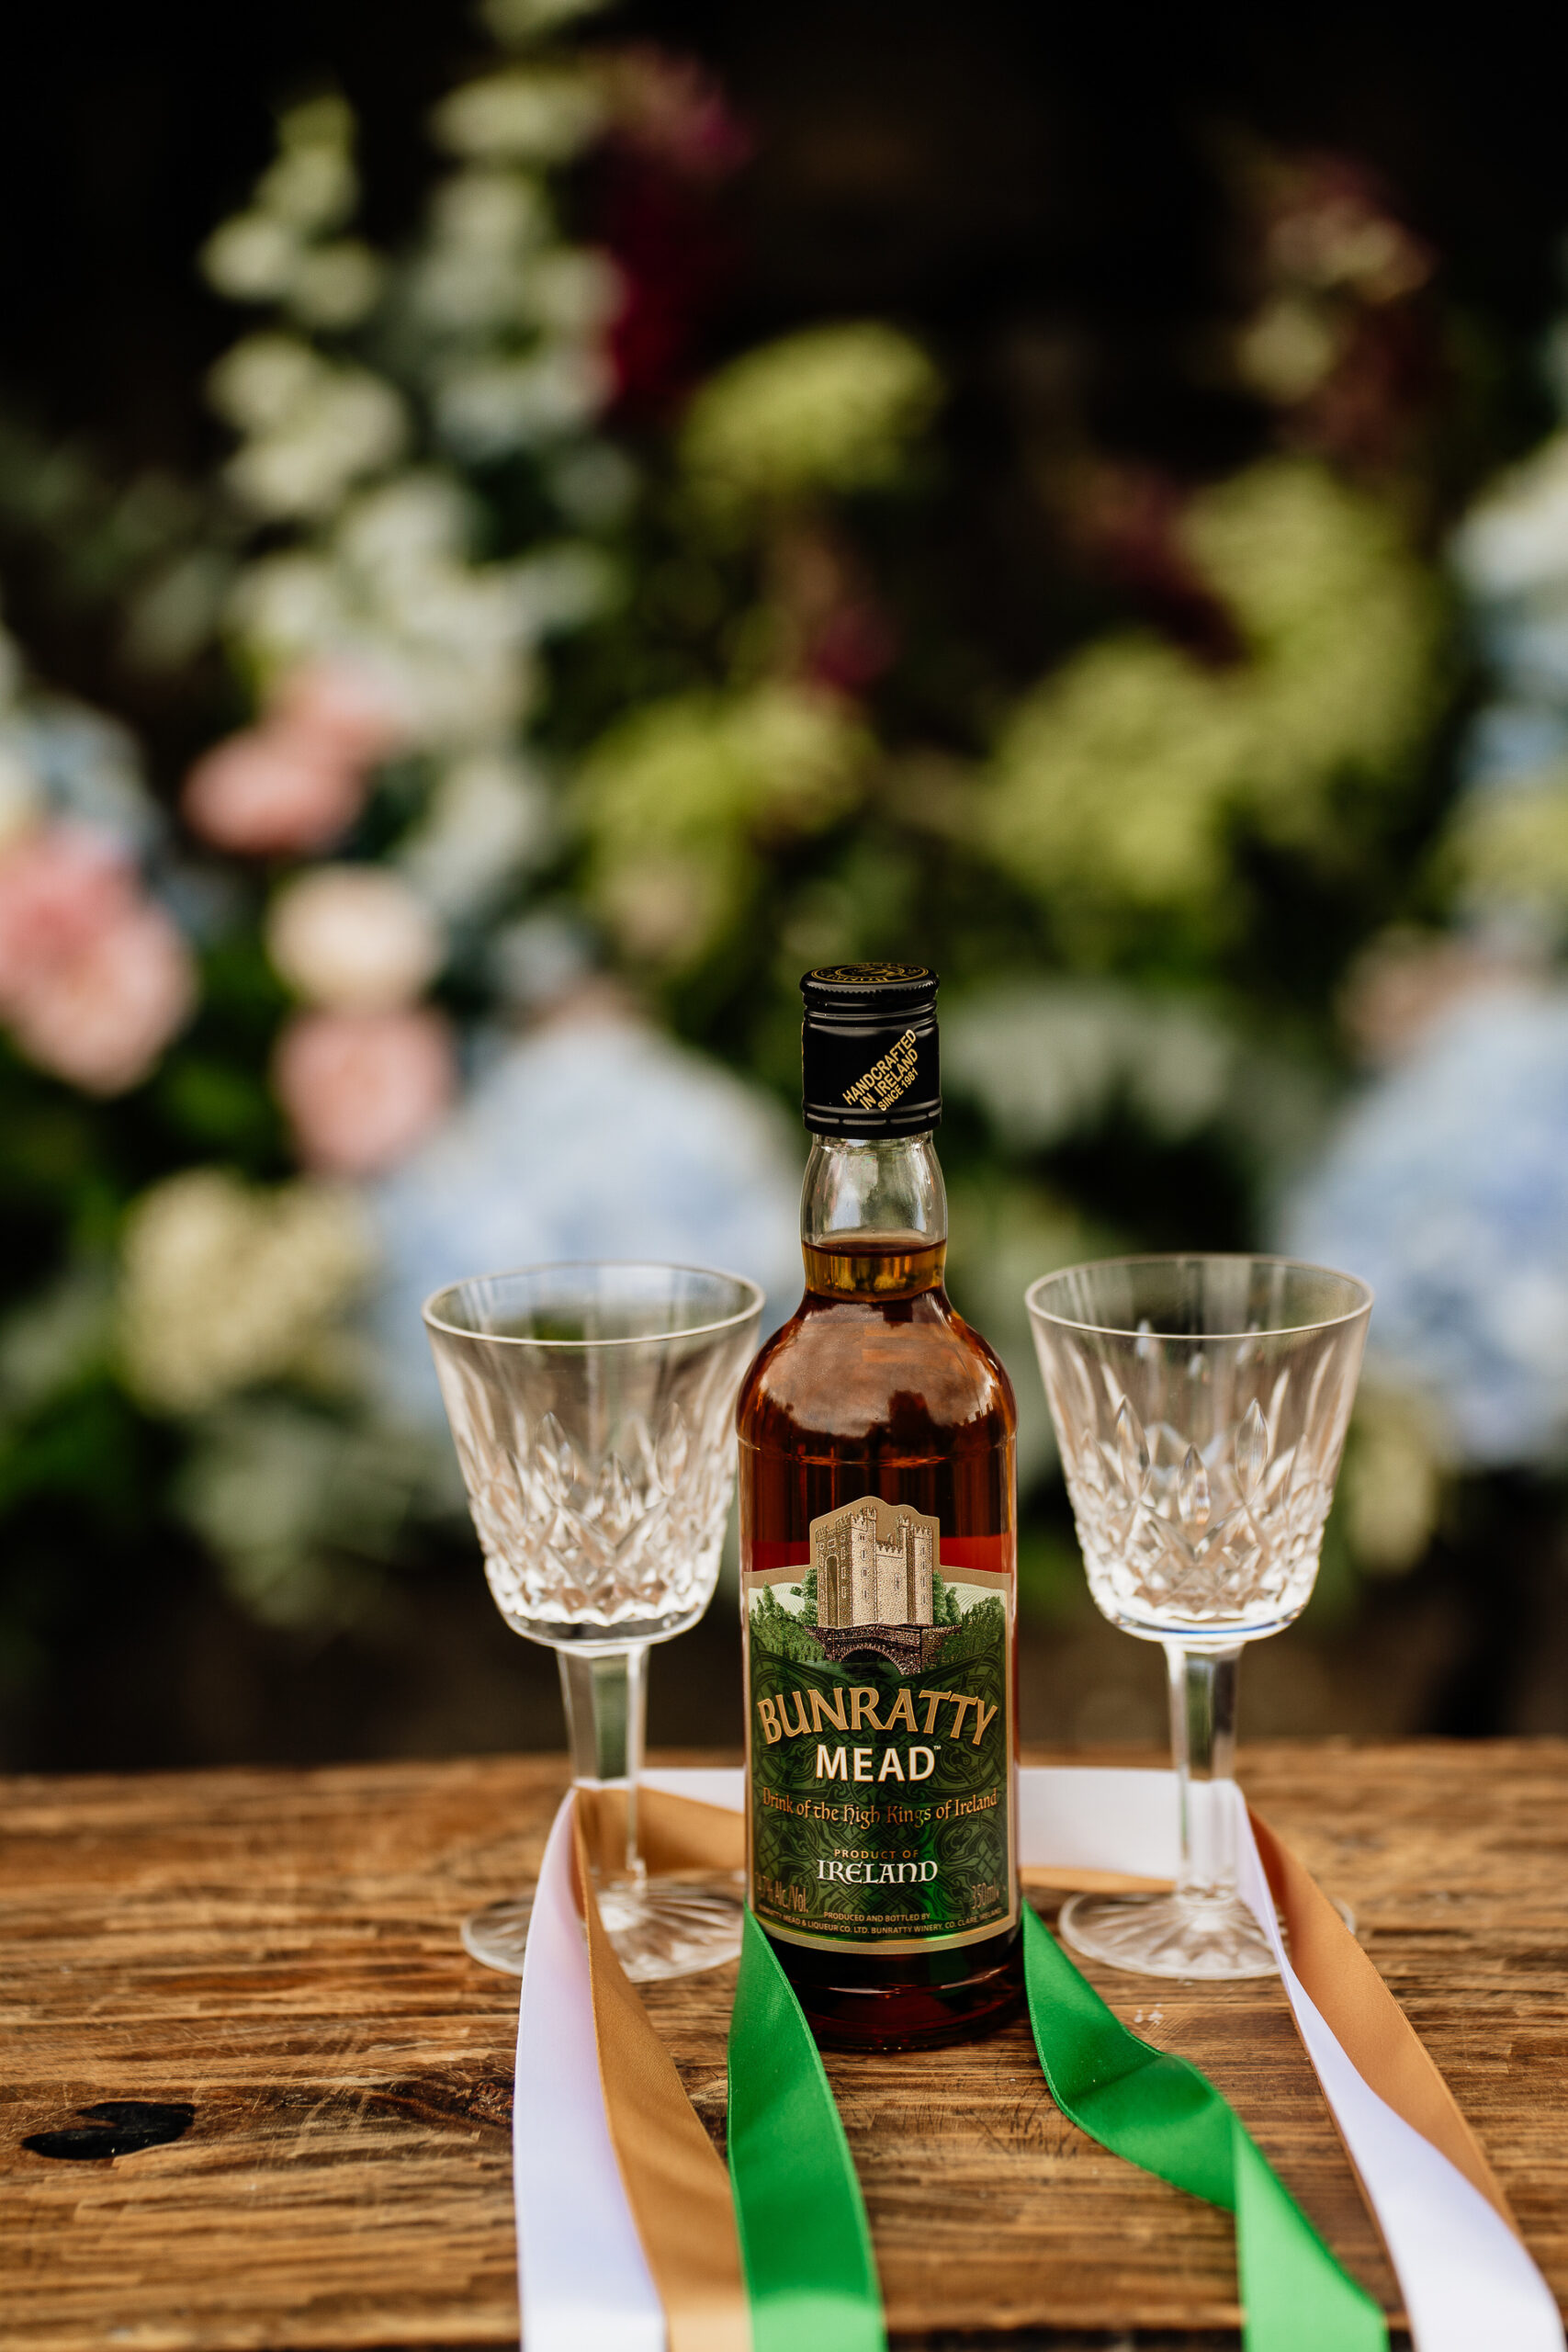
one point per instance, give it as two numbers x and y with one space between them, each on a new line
613 1525
1200 1479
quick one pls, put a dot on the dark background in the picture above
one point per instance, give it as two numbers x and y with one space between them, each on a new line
963 167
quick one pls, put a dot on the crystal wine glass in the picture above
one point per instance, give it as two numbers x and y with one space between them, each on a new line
1200 1405
592 1409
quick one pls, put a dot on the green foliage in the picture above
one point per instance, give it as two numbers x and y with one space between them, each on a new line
1124 783
682 804
979 1631
832 410
780 1632
944 1601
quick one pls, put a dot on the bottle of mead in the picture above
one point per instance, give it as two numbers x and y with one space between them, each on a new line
877 1533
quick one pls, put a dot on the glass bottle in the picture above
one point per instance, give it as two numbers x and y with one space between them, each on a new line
878 1559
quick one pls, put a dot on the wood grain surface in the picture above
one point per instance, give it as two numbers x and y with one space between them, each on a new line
279 1951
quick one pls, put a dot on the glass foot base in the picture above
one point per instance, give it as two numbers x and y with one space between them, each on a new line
1168 1935
660 1929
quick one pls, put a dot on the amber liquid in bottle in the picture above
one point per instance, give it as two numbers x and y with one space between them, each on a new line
877 1387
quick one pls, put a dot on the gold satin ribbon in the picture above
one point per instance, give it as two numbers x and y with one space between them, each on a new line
675 2181
673 1834
1367 2021
679 2190
680 1834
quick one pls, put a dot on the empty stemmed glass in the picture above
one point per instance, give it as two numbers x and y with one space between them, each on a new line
593 1409
1200 1405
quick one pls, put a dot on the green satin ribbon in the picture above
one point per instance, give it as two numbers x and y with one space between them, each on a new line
805 2241
1153 2109
810 2272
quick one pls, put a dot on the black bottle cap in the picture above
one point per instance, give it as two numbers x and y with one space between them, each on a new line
868 1050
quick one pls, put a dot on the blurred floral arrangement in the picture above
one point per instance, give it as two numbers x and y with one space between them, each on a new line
1445 1178
579 691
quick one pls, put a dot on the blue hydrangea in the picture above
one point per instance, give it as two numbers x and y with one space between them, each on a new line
91 771
593 1139
1446 1187
1510 556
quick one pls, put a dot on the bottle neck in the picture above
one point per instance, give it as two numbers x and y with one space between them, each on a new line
873 1217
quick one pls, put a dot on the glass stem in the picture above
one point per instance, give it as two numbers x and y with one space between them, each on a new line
605 1694
1202 1738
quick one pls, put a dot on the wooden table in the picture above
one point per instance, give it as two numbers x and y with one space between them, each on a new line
279 1951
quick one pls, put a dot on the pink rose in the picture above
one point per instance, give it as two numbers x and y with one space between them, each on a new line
297 781
102 1018
95 978
360 1089
268 793
59 884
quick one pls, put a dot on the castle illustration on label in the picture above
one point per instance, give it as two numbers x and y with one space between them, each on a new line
875 1567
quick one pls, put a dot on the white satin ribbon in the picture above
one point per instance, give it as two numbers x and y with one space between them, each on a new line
584 2284
1465 2276
1468 2284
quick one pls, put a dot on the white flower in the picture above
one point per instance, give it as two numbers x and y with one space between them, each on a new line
466 658
347 423
223 1285
574 292
486 224
525 20
268 253
1049 1058
336 285
535 114
395 594
1515 541
406 528
489 212
563 586
315 427
353 938
458 292
288 606
488 407
252 258
326 120
311 187
263 381
489 817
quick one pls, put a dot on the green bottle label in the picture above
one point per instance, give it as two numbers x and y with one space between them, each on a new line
880 1745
